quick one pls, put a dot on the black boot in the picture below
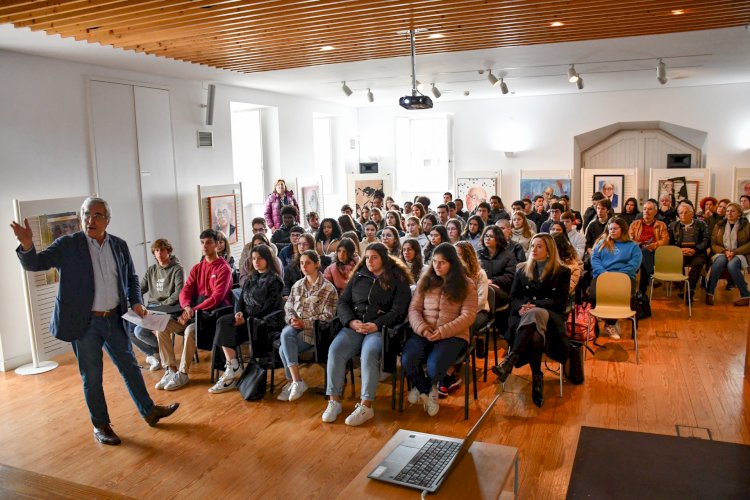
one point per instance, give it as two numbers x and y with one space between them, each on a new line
505 367
537 388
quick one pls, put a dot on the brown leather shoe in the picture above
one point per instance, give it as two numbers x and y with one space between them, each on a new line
106 435
744 301
709 299
160 412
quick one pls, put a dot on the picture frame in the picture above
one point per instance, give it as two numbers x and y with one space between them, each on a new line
613 188
53 226
362 187
476 187
310 195
742 187
679 188
223 215
530 187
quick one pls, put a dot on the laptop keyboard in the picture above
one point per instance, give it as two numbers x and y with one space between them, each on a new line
428 463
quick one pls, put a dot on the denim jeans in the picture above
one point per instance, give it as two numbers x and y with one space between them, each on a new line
438 356
735 271
145 340
292 344
344 347
108 333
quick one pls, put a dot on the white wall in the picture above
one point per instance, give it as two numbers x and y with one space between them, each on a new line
541 130
46 154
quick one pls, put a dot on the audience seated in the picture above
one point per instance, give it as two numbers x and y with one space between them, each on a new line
569 258
293 273
393 219
390 238
453 228
436 235
521 232
275 203
313 222
554 212
346 223
376 215
730 244
442 214
427 222
691 235
245 264
515 248
576 238
282 235
648 233
377 295
483 211
287 253
667 213
411 256
418 211
590 213
565 202
354 236
473 231
497 209
414 231
258 225
347 209
460 209
598 225
223 250
371 231
498 261
339 271
328 237
745 206
630 210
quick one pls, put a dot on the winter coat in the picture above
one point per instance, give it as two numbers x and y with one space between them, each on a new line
366 300
261 295
500 268
434 310
339 276
702 238
743 237
273 208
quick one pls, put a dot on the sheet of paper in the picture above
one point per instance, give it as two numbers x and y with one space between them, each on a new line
153 320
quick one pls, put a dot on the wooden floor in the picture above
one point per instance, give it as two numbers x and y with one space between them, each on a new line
219 446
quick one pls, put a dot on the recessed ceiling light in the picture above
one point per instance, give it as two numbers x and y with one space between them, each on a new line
678 12
556 24
437 35
326 48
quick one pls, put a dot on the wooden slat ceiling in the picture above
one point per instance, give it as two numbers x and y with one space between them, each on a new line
251 36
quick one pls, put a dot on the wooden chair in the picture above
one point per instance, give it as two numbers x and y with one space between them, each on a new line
668 267
613 302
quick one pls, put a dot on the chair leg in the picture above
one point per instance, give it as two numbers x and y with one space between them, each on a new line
273 371
474 372
635 340
560 371
690 309
401 392
651 293
466 389
393 388
494 347
213 371
586 337
487 357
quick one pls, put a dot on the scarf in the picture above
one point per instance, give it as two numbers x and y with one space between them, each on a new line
731 242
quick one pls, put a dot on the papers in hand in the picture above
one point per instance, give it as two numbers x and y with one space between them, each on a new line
154 320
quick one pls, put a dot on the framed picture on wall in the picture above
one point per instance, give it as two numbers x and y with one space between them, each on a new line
310 193
362 188
223 213
534 187
679 188
476 187
743 187
613 188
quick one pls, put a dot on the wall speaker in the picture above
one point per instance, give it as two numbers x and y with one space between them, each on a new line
368 168
679 160
210 104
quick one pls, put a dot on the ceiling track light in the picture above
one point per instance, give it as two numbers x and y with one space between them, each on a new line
436 92
572 74
661 72
370 97
345 89
503 87
579 82
492 78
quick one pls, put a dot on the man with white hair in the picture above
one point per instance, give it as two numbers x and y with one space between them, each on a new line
97 282
691 235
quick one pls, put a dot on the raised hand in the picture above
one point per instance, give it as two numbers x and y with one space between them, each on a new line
23 233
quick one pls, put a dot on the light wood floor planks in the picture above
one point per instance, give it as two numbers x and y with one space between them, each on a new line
690 374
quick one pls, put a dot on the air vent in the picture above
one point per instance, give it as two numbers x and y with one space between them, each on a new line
205 139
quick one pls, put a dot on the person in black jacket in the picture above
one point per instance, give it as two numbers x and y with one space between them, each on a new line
260 296
377 295
292 272
537 323
691 235
498 261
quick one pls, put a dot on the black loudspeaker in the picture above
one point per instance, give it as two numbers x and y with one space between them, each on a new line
368 168
679 160
210 104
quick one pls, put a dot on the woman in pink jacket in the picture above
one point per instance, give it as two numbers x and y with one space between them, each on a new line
275 201
441 312
340 270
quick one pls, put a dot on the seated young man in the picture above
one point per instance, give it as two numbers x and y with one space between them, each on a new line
283 235
313 222
208 287
597 226
287 253
163 282
259 225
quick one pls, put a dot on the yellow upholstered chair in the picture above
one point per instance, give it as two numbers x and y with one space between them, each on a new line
613 302
668 267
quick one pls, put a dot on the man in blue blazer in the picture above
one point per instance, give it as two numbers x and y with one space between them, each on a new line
97 281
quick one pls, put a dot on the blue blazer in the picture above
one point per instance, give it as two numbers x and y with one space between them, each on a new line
75 295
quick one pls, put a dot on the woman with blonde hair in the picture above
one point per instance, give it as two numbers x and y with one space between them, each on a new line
538 299
223 250
520 230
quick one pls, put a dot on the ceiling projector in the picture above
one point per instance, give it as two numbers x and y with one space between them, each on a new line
415 102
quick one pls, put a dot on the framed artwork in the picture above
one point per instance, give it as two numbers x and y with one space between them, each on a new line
362 188
743 187
534 187
679 188
310 193
476 187
223 213
613 188
53 226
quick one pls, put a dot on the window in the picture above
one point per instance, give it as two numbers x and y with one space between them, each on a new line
423 154
247 150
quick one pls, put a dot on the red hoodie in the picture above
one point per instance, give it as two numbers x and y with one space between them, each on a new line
212 280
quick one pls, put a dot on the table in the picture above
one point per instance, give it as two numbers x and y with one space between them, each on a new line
482 473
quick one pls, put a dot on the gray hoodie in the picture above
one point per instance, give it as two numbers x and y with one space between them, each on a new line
163 284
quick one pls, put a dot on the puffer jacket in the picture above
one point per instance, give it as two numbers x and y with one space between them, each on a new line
339 276
501 268
434 310
261 295
366 300
273 208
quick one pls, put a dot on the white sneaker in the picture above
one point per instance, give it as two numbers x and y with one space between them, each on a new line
284 394
168 374
154 363
413 396
385 376
225 383
430 402
360 415
232 372
613 331
178 380
333 410
297 390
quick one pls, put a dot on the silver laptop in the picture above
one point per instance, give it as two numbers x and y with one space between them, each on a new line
423 461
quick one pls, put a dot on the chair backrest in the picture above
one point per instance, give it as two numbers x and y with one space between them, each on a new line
668 259
613 289
491 298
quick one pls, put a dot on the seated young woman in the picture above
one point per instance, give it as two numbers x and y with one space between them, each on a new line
293 272
260 296
473 231
328 236
443 309
568 257
377 295
371 230
223 250
414 231
312 298
537 323
245 265
515 247
343 264
393 219
390 238
474 272
411 255
614 251
436 235
498 261
354 236
521 231
454 228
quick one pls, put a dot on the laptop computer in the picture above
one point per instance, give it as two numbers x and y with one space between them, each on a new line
423 461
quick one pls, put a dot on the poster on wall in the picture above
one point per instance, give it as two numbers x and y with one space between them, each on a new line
310 191
223 210
53 226
612 187
743 187
361 188
678 189
534 187
476 188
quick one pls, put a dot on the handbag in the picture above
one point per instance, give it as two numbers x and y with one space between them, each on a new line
581 324
642 306
573 369
252 383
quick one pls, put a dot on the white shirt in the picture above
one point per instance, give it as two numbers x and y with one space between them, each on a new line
106 294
